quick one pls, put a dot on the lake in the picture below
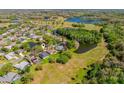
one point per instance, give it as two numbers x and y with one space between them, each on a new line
84 20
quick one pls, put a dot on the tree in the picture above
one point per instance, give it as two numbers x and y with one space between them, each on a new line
37 49
28 77
62 59
38 67
4 49
78 25
49 40
52 60
70 44
81 35
67 53
26 46
5 69
15 48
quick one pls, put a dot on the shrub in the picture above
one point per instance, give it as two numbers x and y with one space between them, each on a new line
38 67
26 46
5 69
4 49
2 73
62 59
52 60
67 53
15 48
28 77
70 44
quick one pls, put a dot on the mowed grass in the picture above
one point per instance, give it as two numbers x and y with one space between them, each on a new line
57 73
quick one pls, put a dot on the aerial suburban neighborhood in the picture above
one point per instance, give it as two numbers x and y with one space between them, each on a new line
61 46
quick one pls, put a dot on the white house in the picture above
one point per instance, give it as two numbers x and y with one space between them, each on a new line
22 65
9 77
10 56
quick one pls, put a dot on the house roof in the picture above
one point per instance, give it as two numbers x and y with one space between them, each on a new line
43 54
10 55
10 77
1 36
22 65
20 51
60 47
21 39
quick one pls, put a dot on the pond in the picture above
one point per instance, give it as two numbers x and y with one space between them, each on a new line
84 20
84 48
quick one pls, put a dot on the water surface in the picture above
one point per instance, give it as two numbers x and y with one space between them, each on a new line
84 48
84 20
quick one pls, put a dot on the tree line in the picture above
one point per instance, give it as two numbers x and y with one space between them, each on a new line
81 35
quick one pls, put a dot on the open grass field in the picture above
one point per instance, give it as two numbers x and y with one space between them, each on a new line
86 26
58 73
92 27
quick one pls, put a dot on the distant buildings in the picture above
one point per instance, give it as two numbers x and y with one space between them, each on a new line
21 57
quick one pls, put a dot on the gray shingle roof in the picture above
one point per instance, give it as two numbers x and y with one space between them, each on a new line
60 47
43 55
22 65
10 55
9 77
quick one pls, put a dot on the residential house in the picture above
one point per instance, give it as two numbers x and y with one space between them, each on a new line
6 33
60 48
43 55
10 46
34 59
13 38
51 51
33 36
9 77
22 65
11 55
20 52
22 39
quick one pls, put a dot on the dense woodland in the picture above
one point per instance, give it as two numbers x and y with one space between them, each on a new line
81 35
112 69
